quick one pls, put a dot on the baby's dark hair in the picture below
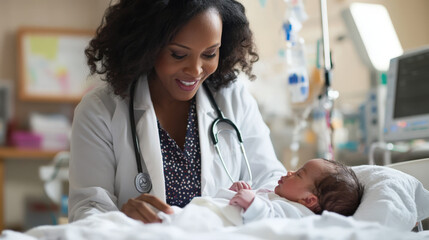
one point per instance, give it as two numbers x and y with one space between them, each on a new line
339 190
133 33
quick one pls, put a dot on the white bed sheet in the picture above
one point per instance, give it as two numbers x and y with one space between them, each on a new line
116 226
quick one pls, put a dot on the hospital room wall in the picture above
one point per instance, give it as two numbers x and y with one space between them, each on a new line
351 77
22 182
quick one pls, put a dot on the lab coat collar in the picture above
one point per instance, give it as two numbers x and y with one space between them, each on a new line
147 131
142 100
206 115
203 103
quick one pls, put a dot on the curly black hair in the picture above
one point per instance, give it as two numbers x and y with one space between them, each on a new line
133 32
339 190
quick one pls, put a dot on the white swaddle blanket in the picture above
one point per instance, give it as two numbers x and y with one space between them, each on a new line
206 212
213 213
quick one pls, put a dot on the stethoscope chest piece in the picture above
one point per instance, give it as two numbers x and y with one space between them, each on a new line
143 183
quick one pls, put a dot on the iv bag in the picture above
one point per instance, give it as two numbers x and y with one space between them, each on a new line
297 75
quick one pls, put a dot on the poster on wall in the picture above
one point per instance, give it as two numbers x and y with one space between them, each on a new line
52 64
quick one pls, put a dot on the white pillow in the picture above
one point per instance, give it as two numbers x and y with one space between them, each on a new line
391 198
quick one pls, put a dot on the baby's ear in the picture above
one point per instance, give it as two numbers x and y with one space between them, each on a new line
311 202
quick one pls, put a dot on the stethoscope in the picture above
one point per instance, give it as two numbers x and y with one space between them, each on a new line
142 180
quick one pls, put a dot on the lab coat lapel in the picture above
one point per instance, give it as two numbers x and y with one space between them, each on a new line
206 115
147 130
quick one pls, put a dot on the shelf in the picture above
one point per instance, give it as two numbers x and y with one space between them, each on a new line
13 152
18 153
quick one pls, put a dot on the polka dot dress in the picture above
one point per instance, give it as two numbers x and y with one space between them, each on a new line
182 168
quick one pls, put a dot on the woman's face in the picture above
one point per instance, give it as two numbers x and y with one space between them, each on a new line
188 59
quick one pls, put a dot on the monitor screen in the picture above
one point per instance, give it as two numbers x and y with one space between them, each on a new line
412 83
407 102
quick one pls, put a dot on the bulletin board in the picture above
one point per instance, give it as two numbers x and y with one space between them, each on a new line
52 64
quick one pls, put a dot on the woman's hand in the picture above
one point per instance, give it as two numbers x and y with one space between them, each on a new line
237 186
243 198
141 208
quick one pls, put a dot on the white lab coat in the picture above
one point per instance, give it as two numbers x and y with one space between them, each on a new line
103 165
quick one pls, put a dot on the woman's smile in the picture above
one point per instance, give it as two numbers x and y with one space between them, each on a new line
187 85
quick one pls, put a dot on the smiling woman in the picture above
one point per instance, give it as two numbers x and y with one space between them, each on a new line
155 55
180 69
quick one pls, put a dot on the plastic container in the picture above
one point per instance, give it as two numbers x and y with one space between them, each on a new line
23 139
297 74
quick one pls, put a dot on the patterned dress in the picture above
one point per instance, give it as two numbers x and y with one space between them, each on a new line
182 168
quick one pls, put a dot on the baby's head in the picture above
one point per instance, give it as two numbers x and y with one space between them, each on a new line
323 185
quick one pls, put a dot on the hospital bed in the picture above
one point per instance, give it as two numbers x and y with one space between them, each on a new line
392 203
418 169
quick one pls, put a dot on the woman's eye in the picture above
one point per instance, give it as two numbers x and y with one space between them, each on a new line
212 55
177 55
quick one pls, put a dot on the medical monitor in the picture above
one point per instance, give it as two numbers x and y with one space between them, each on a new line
407 101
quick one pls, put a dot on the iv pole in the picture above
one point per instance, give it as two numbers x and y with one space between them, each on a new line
325 42
328 95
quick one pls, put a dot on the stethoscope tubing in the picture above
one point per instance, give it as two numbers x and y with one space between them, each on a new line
133 128
213 134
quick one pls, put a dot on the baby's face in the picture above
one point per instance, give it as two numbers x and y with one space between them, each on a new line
298 185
